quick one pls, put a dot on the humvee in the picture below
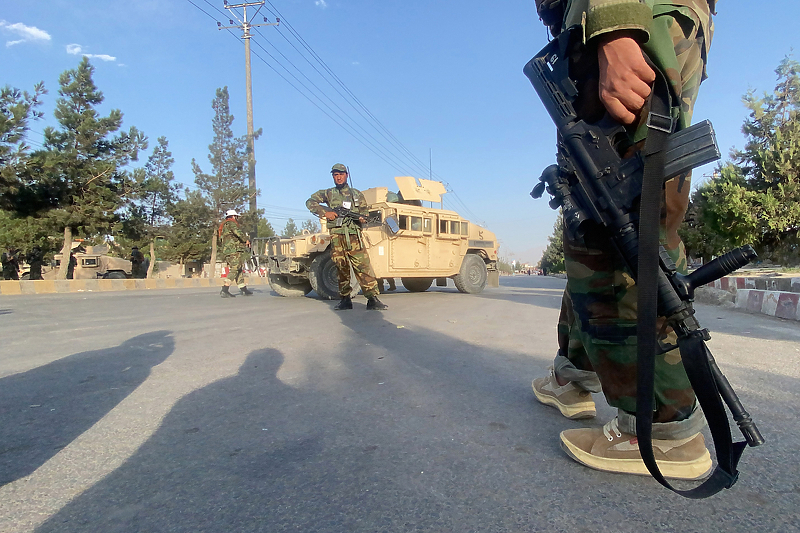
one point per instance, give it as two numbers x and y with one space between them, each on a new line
92 262
403 238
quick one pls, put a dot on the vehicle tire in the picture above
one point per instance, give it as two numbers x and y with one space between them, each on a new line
324 277
280 284
115 275
472 275
417 284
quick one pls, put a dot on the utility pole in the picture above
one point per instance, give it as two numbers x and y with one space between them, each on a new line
245 24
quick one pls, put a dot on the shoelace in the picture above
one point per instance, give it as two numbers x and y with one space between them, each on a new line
610 427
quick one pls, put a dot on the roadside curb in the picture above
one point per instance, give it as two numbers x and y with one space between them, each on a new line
108 285
772 296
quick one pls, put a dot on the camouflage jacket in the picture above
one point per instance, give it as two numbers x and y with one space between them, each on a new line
346 197
597 17
233 240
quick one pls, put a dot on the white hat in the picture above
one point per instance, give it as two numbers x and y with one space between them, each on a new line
231 213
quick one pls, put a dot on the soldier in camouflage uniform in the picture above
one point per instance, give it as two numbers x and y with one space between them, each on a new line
235 250
347 249
597 325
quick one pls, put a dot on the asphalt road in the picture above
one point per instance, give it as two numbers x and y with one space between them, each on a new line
175 410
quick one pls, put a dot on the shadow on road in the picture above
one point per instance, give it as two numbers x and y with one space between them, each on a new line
44 409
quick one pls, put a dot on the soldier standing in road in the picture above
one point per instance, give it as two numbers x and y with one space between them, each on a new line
346 247
235 250
597 327
137 263
71 266
35 260
10 263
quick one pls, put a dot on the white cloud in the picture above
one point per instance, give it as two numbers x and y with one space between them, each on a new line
27 33
76 49
321 3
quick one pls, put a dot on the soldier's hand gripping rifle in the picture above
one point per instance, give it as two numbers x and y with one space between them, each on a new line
593 184
343 214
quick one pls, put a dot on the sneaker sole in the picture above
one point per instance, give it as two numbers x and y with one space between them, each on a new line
692 470
573 412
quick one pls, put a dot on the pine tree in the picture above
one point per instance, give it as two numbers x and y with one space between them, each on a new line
553 256
225 188
192 228
290 229
311 225
17 109
152 197
82 165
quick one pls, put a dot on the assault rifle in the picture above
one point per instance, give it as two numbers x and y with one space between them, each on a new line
594 185
343 214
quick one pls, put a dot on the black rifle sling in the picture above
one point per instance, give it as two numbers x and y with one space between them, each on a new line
693 349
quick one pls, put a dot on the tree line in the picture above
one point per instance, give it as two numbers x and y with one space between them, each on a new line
83 183
754 196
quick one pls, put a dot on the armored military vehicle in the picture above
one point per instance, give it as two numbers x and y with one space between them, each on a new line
404 239
93 262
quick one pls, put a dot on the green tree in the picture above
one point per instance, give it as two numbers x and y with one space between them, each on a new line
756 197
290 229
311 225
192 229
553 256
154 192
265 229
225 187
17 109
82 165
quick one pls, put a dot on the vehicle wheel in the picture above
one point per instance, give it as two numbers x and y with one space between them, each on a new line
115 275
280 284
417 284
324 277
472 276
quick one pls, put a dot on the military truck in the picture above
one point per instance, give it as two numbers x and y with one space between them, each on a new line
404 239
93 262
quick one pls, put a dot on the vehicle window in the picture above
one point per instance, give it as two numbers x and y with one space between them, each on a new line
455 227
89 262
442 226
465 228
416 223
426 225
403 222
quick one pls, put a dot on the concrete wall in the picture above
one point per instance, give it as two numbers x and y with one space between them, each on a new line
104 285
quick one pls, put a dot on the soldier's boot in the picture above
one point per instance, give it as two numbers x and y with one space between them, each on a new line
573 401
373 304
611 450
245 291
345 303
226 293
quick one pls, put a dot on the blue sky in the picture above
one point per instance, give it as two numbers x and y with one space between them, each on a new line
444 79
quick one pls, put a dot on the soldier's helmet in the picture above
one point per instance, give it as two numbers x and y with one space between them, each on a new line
338 167
231 213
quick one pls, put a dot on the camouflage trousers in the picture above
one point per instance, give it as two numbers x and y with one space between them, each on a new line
347 251
597 325
235 263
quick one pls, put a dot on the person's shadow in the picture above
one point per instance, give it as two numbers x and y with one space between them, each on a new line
44 409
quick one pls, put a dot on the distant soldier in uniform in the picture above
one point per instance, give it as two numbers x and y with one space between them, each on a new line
346 247
137 263
235 250
71 266
10 264
35 260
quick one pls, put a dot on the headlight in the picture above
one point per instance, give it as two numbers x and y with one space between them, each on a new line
292 248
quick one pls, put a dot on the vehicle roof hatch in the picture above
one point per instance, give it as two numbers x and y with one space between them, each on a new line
427 190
